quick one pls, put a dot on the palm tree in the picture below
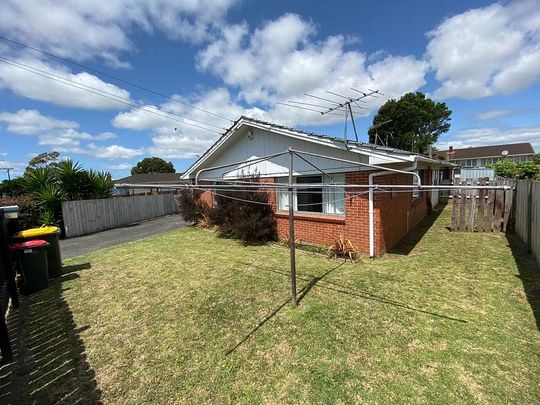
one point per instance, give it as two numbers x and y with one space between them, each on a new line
100 184
71 176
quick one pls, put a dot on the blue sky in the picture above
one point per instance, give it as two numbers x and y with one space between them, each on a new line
233 57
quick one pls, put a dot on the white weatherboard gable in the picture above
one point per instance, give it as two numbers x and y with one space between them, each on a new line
250 142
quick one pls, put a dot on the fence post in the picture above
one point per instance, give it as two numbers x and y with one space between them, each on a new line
529 215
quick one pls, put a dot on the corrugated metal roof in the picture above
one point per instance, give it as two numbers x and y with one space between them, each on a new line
524 148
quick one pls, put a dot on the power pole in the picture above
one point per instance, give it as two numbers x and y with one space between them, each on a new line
8 169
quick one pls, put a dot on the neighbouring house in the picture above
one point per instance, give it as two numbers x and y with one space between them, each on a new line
481 156
160 179
323 214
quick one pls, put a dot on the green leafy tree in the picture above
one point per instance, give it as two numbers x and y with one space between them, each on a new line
13 187
153 165
415 122
45 159
510 169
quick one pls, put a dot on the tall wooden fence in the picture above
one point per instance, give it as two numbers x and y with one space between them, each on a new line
90 216
528 215
482 210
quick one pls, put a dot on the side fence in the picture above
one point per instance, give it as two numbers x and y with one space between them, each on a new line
90 216
482 210
528 215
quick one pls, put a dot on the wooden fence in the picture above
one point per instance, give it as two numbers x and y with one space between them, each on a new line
528 215
90 216
482 210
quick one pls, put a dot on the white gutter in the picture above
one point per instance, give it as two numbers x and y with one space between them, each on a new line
372 211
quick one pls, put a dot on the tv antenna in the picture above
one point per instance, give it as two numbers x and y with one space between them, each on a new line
330 106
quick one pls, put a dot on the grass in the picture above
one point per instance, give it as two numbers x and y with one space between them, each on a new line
187 317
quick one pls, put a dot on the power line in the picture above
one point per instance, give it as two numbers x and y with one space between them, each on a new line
113 77
105 94
101 91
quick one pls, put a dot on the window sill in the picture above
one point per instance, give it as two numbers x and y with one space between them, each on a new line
309 216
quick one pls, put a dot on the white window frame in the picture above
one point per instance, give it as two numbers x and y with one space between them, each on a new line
333 198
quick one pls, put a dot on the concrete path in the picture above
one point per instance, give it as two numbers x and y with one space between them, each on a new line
90 243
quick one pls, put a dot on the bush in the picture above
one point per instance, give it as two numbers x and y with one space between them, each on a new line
343 248
510 169
189 206
29 211
244 215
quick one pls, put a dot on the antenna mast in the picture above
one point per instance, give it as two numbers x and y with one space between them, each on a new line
328 106
346 105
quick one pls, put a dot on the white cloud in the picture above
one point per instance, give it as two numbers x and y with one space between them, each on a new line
61 135
120 166
113 151
277 62
486 51
492 136
282 60
85 29
172 139
84 93
499 113
32 122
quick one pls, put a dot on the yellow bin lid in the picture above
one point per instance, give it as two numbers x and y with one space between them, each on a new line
34 232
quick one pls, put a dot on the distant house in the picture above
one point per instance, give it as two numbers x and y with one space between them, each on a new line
372 223
161 179
480 157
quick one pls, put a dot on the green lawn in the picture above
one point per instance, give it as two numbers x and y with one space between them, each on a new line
187 317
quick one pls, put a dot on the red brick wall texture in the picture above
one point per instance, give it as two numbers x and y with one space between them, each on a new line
396 213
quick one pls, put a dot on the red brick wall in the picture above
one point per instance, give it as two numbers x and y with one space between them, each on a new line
395 214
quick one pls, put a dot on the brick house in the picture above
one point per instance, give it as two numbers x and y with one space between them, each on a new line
325 213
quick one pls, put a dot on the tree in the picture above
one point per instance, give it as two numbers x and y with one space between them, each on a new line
510 169
12 187
45 159
49 185
153 165
415 122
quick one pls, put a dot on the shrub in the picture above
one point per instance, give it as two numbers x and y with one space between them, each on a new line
29 211
528 170
510 169
245 215
343 248
190 206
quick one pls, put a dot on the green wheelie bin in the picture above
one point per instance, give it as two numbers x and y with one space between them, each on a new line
32 257
50 234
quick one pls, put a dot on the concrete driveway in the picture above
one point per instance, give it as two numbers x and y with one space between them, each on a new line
90 243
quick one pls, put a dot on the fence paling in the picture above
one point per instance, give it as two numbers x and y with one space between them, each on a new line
527 215
482 210
90 216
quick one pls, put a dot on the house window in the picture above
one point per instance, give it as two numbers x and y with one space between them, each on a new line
324 200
